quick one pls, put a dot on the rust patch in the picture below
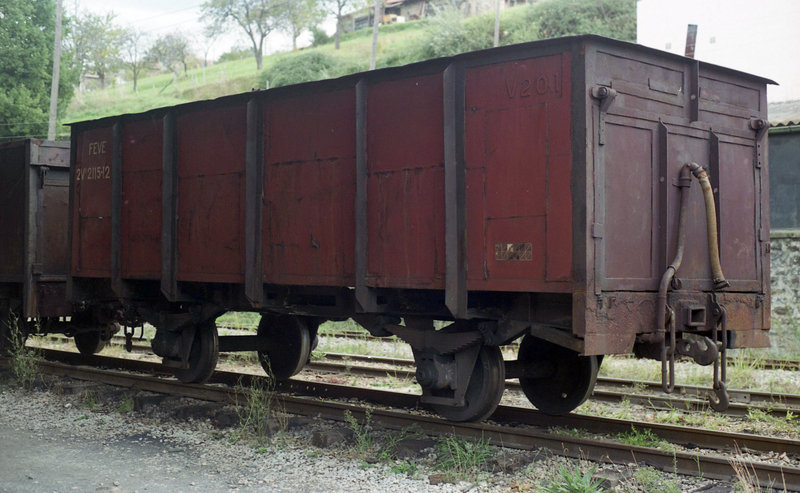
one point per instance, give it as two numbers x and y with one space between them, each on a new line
521 252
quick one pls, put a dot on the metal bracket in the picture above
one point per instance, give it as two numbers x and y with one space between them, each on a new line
436 341
719 400
128 331
760 126
606 96
449 373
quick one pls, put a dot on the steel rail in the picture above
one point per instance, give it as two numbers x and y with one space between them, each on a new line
611 390
707 464
686 397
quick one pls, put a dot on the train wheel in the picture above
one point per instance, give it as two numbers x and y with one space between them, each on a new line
89 343
203 356
484 390
288 345
570 377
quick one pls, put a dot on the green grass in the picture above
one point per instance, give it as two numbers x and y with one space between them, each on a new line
573 481
362 432
764 422
460 458
24 361
222 79
257 406
644 438
654 481
90 400
126 405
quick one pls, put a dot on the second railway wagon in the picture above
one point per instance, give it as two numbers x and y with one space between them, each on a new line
587 195
34 254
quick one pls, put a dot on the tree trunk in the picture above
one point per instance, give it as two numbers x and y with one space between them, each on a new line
337 36
102 77
135 81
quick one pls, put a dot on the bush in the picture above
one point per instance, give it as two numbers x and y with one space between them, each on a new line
235 53
319 37
447 34
612 18
303 68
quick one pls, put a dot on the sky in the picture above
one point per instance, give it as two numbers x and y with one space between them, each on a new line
760 38
159 17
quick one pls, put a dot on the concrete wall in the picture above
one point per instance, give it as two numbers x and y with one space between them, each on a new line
785 286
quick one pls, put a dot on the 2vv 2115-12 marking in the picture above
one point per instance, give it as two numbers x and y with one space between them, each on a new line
93 173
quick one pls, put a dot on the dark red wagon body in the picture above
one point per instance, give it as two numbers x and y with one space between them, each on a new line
34 251
34 255
535 187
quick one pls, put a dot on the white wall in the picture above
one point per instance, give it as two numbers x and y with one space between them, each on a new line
761 37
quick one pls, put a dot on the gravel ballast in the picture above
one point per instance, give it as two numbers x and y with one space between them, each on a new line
80 436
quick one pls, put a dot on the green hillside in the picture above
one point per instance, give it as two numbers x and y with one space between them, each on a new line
230 77
399 44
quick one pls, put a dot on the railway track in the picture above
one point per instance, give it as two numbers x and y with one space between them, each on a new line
615 390
755 363
513 427
611 390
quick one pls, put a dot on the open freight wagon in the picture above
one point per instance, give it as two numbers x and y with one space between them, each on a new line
526 191
34 254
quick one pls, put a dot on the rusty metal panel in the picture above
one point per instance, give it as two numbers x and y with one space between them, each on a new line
50 267
12 212
664 113
52 259
140 248
505 170
34 262
738 221
91 241
309 183
405 184
211 194
629 223
518 159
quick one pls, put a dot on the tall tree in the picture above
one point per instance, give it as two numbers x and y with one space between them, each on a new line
172 52
300 15
257 18
97 44
339 8
27 30
133 54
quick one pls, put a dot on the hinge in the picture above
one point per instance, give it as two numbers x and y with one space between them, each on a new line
760 126
597 230
42 174
606 96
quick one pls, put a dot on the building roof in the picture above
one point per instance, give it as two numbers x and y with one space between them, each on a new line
784 113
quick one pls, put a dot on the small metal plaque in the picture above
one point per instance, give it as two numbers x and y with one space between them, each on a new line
513 252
